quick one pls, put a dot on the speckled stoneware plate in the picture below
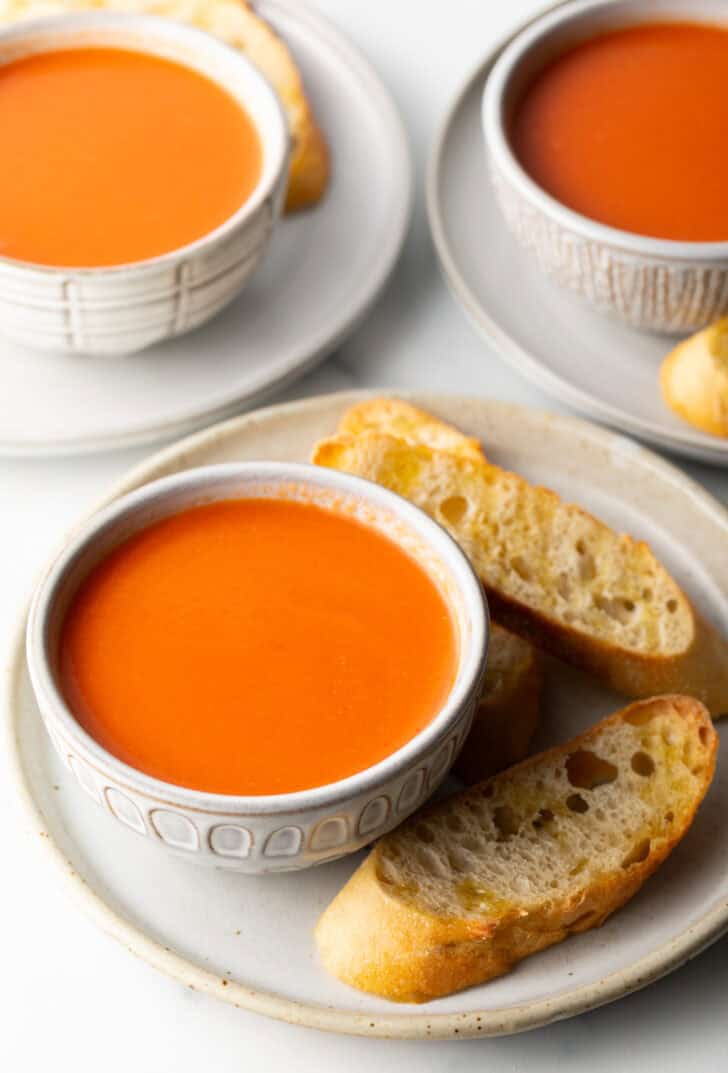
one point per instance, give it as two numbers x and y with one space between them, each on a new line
248 940
322 272
588 361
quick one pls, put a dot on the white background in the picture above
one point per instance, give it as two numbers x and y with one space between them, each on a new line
70 998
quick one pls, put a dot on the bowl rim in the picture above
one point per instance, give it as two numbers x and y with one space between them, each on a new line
275 138
498 146
470 667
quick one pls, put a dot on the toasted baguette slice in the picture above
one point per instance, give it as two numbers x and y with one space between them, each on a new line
465 889
397 418
236 23
509 711
553 573
694 379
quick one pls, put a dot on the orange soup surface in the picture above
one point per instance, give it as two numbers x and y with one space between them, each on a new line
256 647
630 128
111 156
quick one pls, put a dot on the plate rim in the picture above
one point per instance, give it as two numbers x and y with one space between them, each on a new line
401 199
426 1025
687 442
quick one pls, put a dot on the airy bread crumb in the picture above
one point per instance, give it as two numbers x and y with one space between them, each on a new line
468 887
554 574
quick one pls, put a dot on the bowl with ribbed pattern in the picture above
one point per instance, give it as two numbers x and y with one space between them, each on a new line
653 284
121 309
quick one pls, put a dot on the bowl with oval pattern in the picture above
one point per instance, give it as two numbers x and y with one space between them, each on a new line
273 832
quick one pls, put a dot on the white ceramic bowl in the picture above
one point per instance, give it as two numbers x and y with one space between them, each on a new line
124 308
284 831
654 284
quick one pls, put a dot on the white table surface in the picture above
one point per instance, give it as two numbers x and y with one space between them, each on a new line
73 999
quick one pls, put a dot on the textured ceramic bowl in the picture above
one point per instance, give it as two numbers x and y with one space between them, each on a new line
124 308
283 831
653 284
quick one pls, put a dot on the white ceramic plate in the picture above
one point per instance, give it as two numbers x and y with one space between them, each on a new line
248 940
592 363
324 269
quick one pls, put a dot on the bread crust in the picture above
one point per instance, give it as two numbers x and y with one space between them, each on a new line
508 714
394 417
414 956
310 164
694 379
378 939
701 670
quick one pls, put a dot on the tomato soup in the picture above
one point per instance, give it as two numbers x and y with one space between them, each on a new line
112 156
630 128
256 647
